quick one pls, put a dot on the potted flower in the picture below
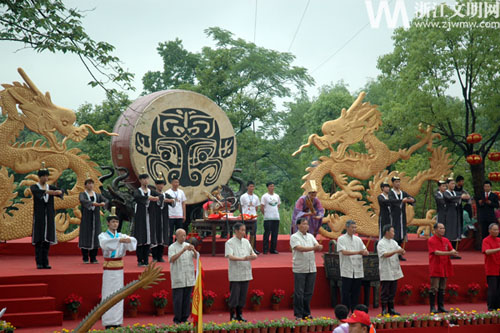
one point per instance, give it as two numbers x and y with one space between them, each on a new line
424 291
276 298
226 299
160 300
256 296
208 300
133 303
6 327
406 292
473 290
287 324
378 322
73 303
185 327
452 291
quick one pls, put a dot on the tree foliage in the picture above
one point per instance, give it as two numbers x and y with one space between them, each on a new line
428 64
242 78
48 25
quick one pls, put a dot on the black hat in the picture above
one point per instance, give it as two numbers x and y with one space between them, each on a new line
43 171
143 174
113 215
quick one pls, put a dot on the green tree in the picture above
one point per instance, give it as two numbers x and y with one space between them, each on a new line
48 25
242 78
427 63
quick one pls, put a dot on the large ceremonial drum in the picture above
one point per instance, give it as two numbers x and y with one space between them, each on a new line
181 134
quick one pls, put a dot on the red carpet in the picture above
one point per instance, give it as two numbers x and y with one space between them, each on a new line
70 275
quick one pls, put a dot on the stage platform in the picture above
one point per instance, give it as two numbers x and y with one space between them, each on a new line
43 291
23 246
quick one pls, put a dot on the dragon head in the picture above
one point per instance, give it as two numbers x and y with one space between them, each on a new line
352 125
42 116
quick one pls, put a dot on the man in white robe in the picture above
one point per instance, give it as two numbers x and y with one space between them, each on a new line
114 246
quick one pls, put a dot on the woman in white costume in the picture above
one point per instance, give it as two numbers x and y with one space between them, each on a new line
114 246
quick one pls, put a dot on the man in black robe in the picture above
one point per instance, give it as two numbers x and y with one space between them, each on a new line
440 202
144 219
454 219
161 214
44 226
90 225
486 204
384 217
459 188
399 199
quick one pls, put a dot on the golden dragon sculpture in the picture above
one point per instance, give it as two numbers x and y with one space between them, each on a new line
25 107
151 275
358 124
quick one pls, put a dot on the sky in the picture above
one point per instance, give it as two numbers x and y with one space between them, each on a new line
333 39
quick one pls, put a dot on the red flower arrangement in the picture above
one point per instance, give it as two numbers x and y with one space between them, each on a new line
160 299
424 290
256 296
473 289
226 297
453 289
209 297
407 289
134 301
277 296
73 302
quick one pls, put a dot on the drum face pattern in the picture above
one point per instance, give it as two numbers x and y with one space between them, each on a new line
181 134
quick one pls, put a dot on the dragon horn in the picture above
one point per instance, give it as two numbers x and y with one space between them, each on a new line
28 81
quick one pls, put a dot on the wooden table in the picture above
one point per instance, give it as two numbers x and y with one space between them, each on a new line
222 225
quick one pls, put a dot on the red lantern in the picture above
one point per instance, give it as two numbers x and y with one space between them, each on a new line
474 159
474 138
494 176
494 156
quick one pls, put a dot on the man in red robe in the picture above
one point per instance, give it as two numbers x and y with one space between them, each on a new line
491 250
440 268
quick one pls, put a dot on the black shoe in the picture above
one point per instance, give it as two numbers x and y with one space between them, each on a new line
256 252
432 303
94 262
440 302
275 252
39 266
265 252
239 314
232 315
392 312
401 258
160 260
455 257
47 267
384 309
85 261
